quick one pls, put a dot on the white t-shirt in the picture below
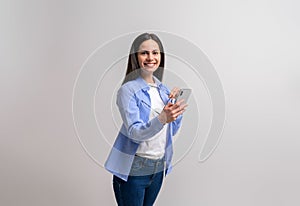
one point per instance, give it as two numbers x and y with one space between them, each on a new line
154 148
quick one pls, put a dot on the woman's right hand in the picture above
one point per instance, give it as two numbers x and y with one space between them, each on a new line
172 111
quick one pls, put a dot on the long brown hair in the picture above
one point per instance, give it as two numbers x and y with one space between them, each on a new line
133 66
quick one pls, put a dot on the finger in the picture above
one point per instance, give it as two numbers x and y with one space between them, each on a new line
174 92
183 106
178 103
182 111
168 105
179 113
179 109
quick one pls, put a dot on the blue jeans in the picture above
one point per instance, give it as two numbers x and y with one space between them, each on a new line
143 184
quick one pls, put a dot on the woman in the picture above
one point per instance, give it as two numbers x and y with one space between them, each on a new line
143 148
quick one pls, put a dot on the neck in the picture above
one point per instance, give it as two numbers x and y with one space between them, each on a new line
147 77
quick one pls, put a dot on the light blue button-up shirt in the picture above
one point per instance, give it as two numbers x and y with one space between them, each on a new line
134 104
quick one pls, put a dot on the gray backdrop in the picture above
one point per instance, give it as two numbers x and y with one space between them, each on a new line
254 46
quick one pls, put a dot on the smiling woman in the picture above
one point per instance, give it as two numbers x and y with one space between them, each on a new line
142 151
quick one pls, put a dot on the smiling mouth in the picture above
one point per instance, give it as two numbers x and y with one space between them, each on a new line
150 64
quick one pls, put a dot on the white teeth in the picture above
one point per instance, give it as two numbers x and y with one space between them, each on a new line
149 64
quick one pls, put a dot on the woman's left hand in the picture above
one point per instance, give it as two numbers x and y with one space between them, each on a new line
172 111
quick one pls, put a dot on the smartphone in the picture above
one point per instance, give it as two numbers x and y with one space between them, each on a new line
184 93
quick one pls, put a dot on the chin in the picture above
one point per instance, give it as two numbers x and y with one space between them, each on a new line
149 70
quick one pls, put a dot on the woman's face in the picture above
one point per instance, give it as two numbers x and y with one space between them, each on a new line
149 56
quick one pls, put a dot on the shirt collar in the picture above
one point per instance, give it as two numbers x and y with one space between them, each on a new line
144 85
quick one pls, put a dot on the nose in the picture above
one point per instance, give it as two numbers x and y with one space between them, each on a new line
150 56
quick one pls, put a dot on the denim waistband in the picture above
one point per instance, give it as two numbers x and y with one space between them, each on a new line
142 166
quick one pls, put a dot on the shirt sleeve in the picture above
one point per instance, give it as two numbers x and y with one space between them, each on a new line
136 128
176 124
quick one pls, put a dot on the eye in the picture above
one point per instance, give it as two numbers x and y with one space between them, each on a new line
155 52
143 52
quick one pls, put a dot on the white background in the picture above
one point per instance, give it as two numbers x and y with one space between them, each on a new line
254 46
